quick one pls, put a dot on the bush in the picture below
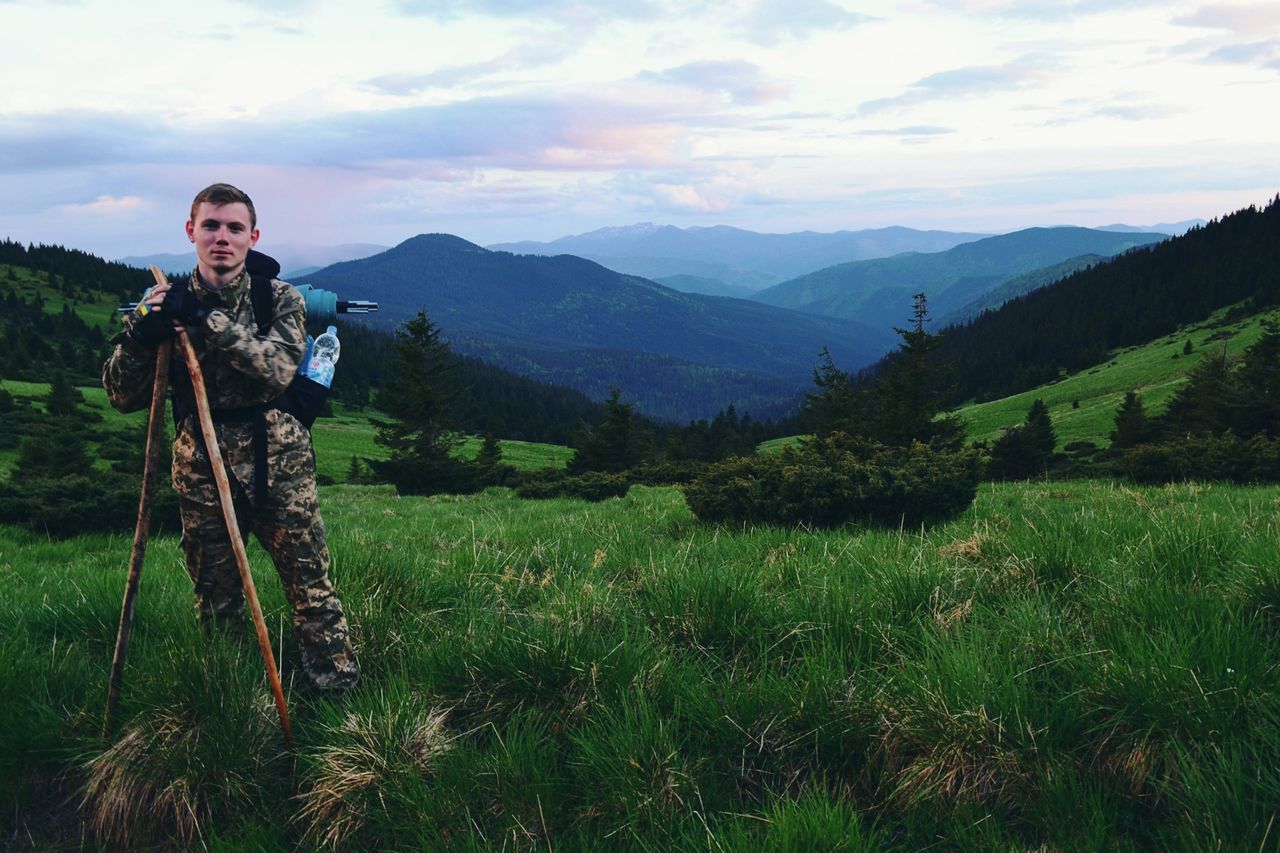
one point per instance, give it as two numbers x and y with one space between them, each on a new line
435 476
1203 457
557 483
671 472
833 480
69 506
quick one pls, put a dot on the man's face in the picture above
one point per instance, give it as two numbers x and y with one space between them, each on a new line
222 235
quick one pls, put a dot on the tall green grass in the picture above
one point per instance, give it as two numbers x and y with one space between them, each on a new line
1067 666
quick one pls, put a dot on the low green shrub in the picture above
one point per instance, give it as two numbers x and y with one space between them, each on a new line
833 480
1203 457
549 483
669 473
104 502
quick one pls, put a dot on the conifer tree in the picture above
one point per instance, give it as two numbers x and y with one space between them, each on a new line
1132 425
419 394
490 455
1259 377
1209 403
835 406
908 397
1024 450
1037 430
618 442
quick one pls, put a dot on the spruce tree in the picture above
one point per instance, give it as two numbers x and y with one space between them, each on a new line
621 441
835 406
419 394
909 396
1259 379
1132 425
490 455
1037 430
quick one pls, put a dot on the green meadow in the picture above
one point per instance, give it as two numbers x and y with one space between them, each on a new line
1066 666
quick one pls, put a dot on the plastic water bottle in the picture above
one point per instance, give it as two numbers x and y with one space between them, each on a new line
324 355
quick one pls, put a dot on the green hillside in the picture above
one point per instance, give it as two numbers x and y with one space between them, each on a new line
1154 370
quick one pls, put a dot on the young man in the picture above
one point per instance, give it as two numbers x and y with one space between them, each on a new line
244 369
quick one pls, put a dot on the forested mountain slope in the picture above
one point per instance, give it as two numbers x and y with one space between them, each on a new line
1131 299
573 322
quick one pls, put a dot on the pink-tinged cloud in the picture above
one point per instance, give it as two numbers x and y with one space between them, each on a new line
1244 20
569 131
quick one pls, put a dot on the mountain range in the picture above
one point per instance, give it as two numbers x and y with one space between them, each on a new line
745 260
573 322
878 292
295 258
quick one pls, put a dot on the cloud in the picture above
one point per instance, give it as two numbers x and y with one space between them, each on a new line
967 82
771 21
569 131
1126 106
105 204
1241 19
1042 10
1246 54
913 130
1244 38
740 81
555 10
517 59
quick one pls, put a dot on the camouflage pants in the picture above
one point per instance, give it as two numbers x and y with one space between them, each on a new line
290 529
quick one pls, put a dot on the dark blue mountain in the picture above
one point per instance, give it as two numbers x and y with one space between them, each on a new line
573 322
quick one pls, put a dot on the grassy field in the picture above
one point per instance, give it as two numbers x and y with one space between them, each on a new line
1066 666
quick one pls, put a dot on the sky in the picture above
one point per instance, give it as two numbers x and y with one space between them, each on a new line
501 120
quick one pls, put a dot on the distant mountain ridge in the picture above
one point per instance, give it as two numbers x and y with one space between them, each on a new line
878 292
291 256
1173 229
734 256
573 322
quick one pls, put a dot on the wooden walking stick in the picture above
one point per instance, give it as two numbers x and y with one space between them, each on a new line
155 435
233 527
229 516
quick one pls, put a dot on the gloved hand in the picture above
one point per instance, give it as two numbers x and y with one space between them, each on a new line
183 306
152 327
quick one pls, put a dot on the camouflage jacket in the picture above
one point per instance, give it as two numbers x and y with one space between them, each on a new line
241 368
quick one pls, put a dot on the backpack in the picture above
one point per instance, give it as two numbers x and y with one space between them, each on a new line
304 398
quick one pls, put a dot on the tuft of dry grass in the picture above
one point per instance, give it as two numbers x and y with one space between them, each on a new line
137 790
365 754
